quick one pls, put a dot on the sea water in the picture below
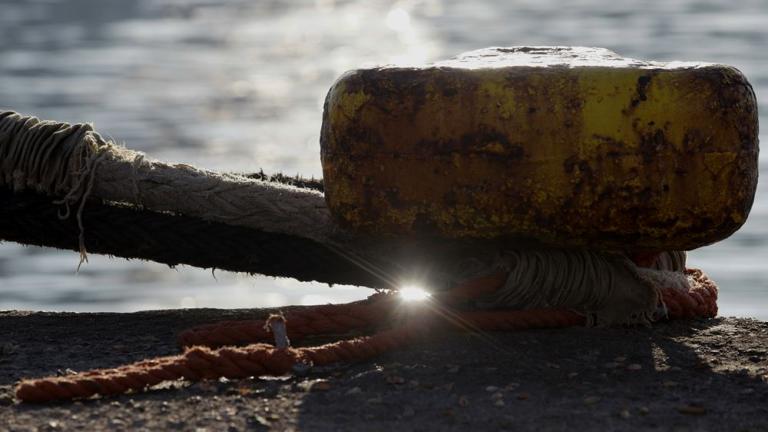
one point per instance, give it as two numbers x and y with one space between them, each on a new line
238 85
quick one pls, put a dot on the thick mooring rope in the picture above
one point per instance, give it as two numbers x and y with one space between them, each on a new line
74 161
72 164
201 362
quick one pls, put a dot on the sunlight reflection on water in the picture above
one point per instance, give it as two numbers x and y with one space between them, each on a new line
238 85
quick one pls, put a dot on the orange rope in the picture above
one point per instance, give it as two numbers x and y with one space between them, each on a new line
201 362
322 319
327 319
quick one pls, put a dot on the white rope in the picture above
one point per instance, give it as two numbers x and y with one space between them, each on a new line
607 288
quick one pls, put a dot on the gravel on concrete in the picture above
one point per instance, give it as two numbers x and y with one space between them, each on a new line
701 375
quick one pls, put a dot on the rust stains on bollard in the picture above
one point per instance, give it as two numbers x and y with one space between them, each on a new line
569 146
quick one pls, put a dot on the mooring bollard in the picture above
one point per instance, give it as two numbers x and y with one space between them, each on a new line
571 146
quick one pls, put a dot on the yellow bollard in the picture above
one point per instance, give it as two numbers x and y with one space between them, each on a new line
569 146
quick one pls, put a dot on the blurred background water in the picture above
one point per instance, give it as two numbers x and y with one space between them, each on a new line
239 85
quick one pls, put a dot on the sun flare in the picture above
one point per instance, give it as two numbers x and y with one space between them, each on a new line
413 293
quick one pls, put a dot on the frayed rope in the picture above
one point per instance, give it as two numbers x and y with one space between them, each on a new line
54 158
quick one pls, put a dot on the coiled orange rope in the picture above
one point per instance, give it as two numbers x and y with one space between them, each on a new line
201 362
